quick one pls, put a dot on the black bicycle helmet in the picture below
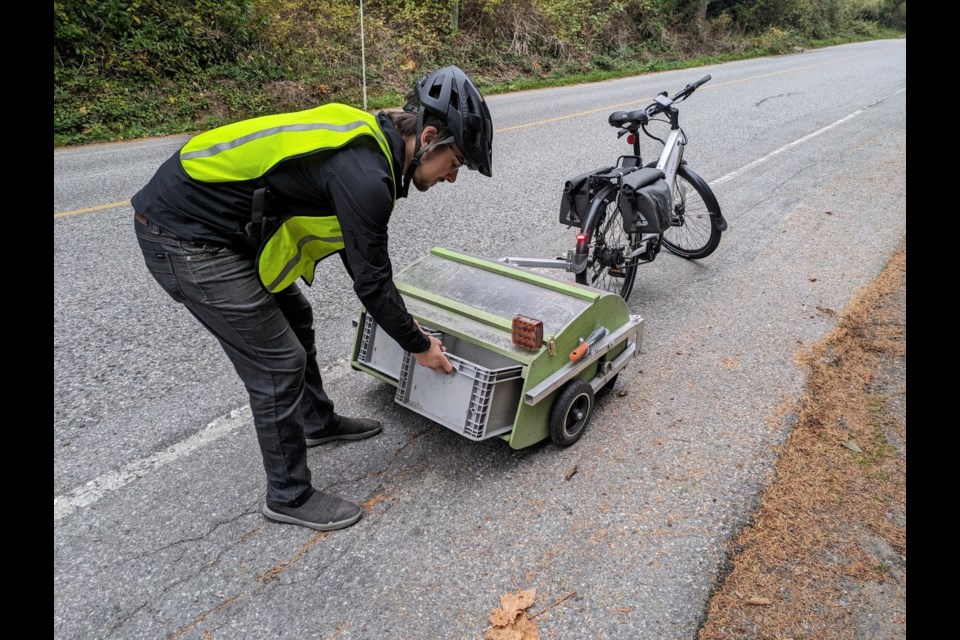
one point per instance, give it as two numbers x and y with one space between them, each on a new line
450 94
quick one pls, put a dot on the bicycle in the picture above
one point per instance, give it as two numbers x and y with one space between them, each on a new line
629 211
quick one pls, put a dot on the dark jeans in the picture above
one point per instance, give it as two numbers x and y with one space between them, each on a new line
269 338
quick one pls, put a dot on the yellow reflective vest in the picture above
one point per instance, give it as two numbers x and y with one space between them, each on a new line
249 149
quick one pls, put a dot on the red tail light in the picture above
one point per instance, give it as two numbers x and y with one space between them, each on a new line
631 138
527 332
581 237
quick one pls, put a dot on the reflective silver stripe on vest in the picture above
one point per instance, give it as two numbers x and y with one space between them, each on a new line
232 144
295 260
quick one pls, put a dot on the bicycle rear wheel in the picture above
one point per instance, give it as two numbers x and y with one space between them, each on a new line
692 234
609 246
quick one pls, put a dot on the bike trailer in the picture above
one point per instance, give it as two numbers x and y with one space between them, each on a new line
530 352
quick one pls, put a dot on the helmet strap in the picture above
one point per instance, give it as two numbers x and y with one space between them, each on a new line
418 154
415 160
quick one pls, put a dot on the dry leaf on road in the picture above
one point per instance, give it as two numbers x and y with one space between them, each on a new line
510 620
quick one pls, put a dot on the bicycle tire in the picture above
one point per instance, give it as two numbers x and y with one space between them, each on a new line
693 236
608 245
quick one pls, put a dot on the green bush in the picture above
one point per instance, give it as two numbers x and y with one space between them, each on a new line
128 68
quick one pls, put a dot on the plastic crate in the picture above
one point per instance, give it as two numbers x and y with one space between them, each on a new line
379 351
477 401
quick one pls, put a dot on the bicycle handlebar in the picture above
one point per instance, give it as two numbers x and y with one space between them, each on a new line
663 102
702 80
632 121
690 88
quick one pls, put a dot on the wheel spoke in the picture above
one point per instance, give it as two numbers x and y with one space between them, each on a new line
692 234
610 245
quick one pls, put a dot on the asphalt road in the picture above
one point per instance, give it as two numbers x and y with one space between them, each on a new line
157 476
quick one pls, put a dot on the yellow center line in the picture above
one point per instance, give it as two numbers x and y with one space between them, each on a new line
76 212
614 107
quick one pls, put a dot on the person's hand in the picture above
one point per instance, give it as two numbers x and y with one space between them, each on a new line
433 357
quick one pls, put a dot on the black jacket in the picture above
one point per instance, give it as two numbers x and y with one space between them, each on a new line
353 182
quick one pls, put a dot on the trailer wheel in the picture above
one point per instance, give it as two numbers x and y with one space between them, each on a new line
570 413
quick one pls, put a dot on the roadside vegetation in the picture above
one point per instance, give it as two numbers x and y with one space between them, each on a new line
135 68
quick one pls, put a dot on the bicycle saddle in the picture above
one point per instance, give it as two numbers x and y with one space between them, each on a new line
634 119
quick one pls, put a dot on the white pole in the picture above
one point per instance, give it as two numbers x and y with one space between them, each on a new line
363 58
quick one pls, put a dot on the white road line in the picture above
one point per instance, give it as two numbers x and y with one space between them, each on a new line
736 172
98 487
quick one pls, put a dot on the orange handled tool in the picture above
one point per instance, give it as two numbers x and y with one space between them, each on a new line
585 345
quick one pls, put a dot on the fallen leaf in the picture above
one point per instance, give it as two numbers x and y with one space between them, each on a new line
522 599
622 392
622 610
501 618
510 621
758 601
572 472
730 363
528 630
409 65
850 444
504 633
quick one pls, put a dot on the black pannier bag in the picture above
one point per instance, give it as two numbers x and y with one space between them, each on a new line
644 201
576 197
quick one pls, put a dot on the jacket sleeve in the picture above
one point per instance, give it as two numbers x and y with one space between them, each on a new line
359 186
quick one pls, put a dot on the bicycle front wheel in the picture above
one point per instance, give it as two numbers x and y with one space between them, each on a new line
692 233
610 266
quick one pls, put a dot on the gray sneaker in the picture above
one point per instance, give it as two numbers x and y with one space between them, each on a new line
321 511
346 429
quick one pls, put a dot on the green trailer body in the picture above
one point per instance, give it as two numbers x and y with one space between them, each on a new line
500 389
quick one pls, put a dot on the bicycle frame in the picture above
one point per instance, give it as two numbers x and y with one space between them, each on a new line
668 162
672 156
